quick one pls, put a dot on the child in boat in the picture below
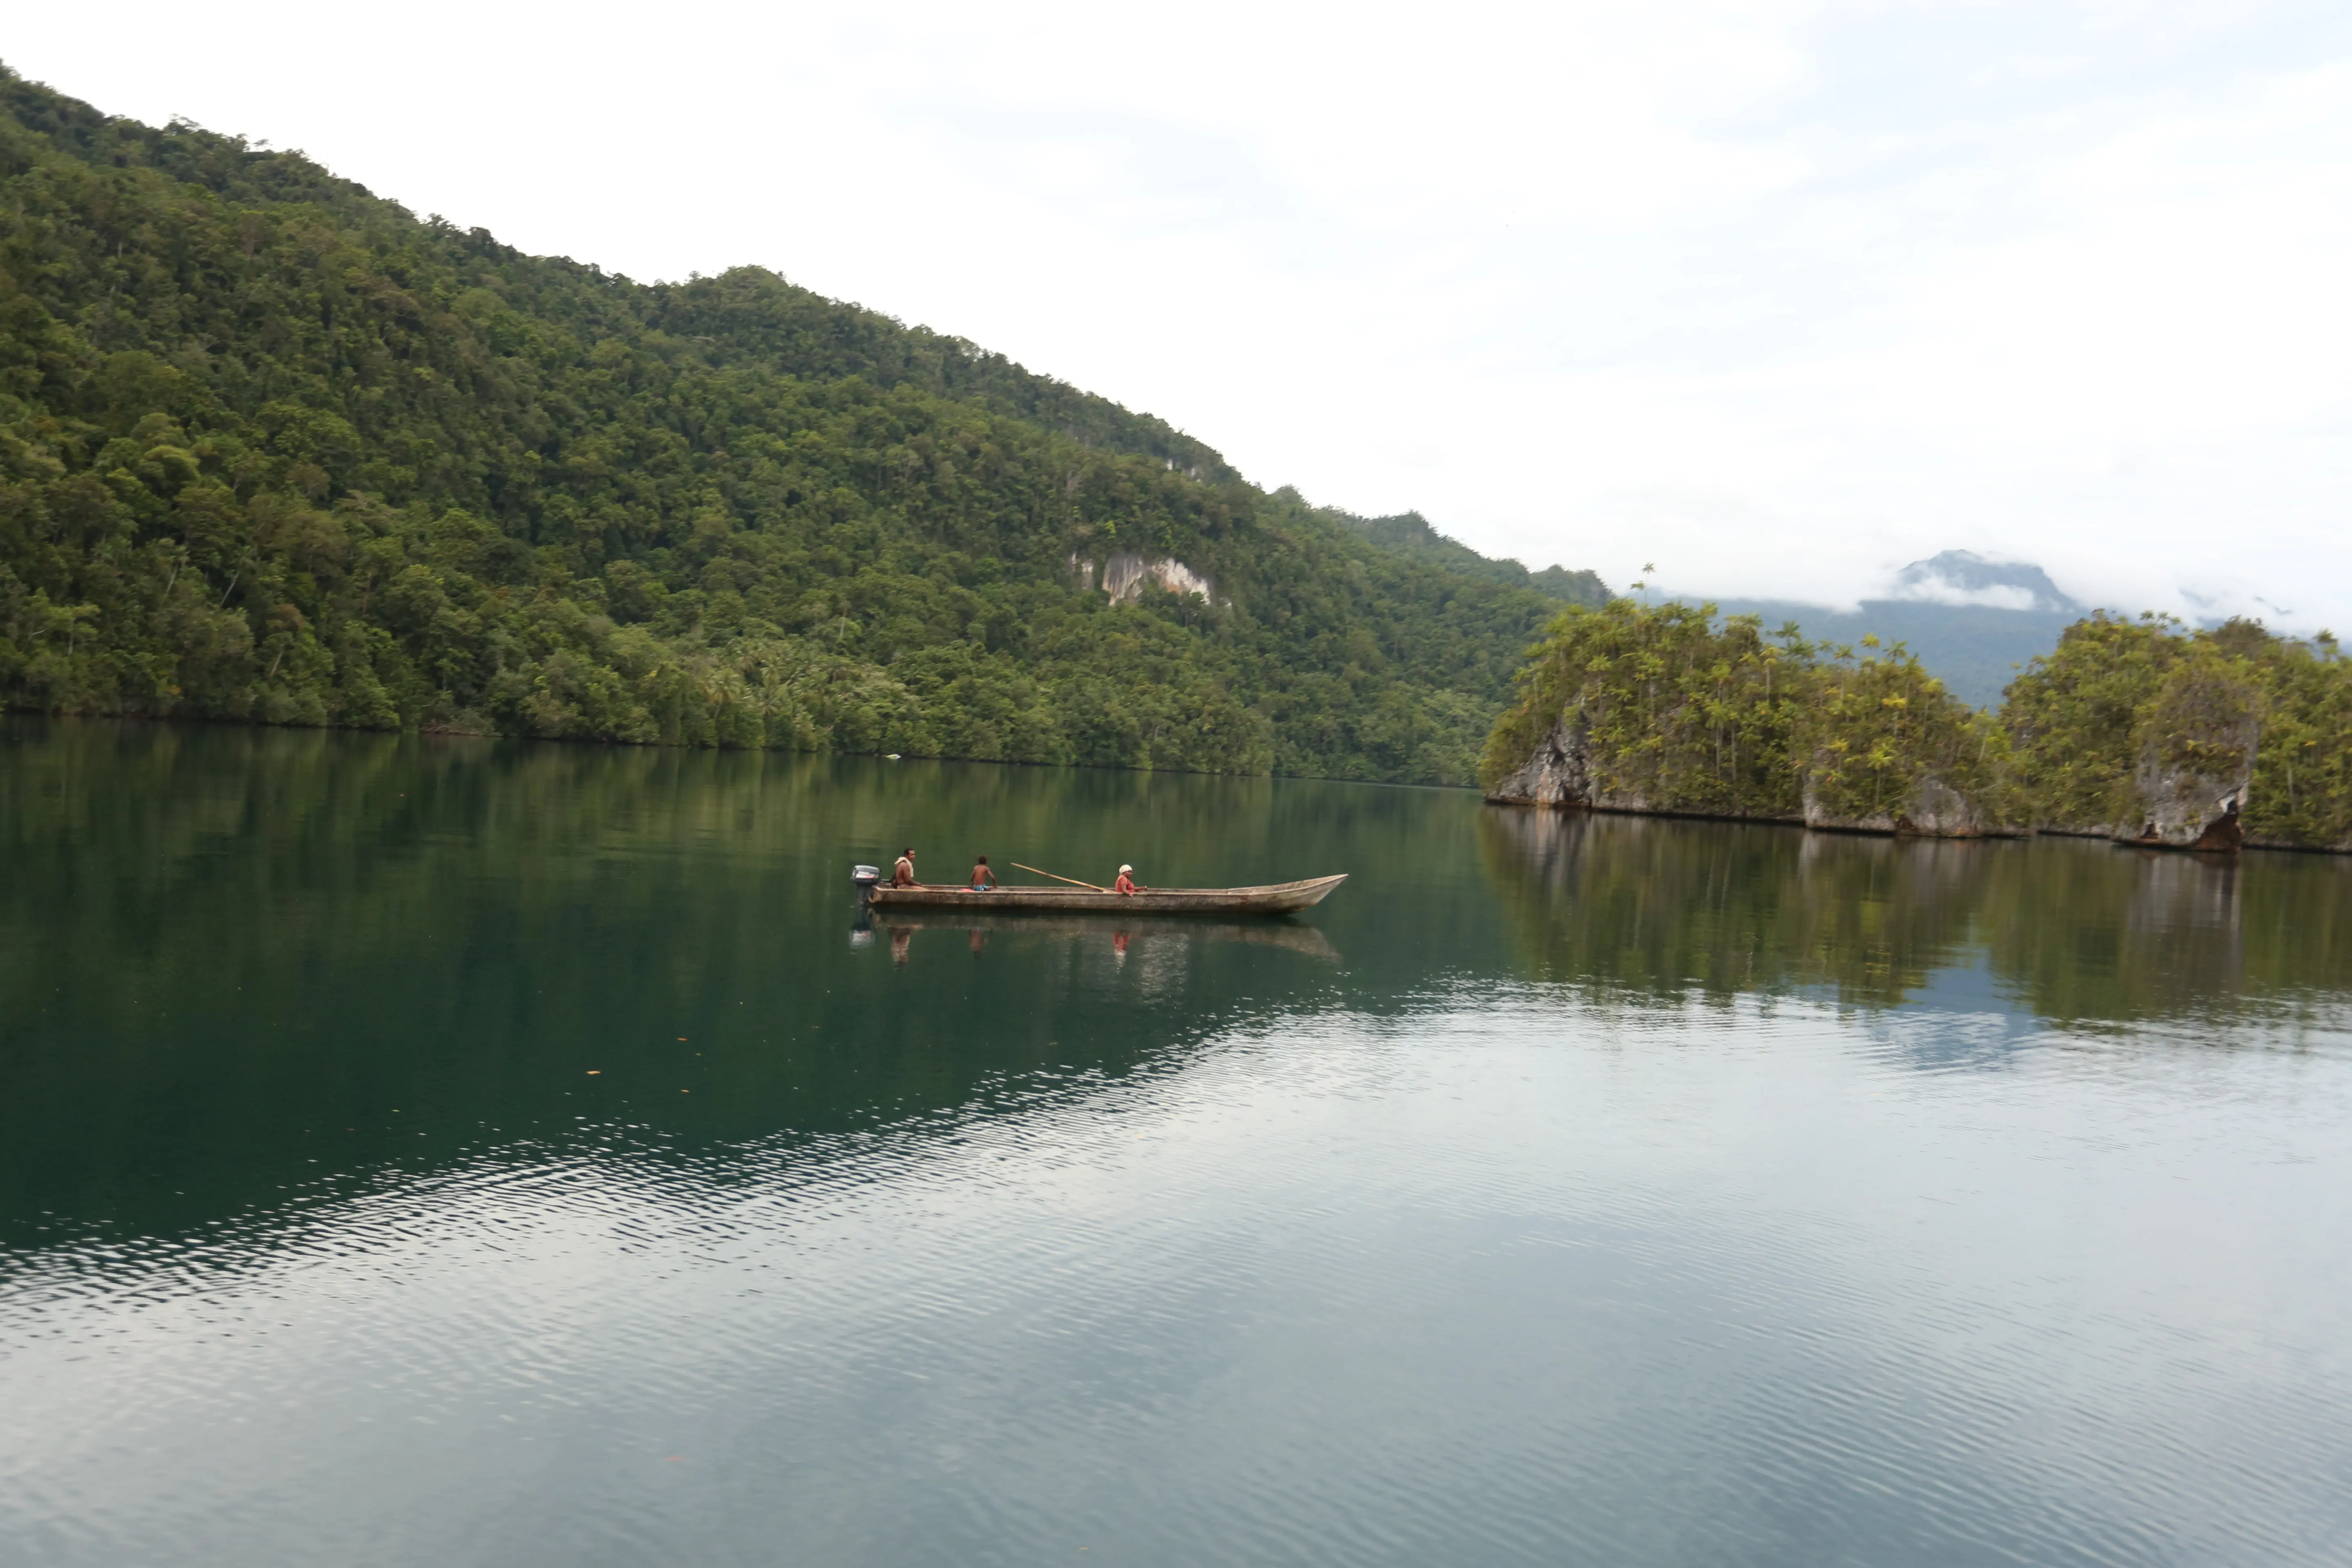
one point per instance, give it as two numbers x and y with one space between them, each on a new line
982 879
1126 882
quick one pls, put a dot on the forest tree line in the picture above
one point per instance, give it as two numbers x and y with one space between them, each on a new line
2143 730
274 449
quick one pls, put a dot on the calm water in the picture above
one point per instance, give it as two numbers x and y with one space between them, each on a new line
428 1153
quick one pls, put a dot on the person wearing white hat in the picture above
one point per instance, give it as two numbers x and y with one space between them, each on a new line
1126 883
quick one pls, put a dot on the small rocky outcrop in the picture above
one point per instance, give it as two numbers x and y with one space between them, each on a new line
2196 762
2182 809
1557 774
1560 774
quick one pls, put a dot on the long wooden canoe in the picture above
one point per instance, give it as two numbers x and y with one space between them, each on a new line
1280 898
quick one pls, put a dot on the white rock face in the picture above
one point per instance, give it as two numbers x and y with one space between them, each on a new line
1125 574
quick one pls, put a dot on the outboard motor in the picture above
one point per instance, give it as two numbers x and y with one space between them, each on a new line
861 931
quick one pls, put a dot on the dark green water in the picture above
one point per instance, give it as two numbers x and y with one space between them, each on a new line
428 1153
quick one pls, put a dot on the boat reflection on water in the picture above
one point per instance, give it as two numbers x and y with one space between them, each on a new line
1120 933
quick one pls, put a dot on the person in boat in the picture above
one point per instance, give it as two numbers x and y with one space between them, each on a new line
982 879
1126 882
902 875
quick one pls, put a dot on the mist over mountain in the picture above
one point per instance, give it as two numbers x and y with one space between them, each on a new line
1962 577
1974 623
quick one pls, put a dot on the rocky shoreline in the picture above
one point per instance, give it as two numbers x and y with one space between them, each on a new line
2183 809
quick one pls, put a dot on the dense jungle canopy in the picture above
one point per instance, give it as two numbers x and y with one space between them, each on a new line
273 448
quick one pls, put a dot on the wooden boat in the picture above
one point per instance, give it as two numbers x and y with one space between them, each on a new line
1280 898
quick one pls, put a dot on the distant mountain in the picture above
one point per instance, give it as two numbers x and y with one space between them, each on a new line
1971 621
1410 533
1962 577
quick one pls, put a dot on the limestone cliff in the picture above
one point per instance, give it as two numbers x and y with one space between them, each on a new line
1125 572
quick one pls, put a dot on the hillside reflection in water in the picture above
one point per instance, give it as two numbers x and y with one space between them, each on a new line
2070 932
421 1150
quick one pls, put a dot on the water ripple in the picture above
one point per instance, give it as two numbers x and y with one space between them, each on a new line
1520 1281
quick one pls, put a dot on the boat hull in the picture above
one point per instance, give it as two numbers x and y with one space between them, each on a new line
1279 899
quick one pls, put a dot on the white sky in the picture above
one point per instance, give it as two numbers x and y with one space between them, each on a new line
1779 296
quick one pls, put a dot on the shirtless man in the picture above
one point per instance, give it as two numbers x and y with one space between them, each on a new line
1126 882
902 875
982 879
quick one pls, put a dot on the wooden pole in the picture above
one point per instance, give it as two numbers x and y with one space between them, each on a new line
1071 880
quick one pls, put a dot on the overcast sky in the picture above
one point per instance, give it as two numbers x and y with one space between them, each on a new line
1778 296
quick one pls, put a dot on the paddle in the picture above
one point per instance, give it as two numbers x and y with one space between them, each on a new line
1071 880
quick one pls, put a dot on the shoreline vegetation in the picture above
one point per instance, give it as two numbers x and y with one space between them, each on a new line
274 449
2143 732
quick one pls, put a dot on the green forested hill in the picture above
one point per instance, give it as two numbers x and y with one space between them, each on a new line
273 448
1410 533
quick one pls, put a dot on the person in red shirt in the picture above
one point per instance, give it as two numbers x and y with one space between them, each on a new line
1126 882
